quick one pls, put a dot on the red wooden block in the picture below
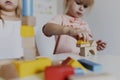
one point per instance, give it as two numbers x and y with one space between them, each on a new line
58 72
66 61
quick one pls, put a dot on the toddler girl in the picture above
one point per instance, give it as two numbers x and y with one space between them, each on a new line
69 27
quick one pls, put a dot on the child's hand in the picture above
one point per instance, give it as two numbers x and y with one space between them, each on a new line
81 34
100 45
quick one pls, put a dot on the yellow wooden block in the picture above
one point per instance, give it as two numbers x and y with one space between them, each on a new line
82 42
27 68
27 31
76 64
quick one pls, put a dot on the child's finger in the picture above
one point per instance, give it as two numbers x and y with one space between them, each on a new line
90 34
99 41
103 45
80 36
100 48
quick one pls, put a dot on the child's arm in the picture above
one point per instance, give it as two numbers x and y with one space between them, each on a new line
50 29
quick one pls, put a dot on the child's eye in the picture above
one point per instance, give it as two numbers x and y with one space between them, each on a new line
85 6
78 3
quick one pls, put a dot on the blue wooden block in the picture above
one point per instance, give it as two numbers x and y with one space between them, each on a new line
78 71
27 7
91 65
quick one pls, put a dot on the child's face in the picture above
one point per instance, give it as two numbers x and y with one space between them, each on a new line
8 5
76 9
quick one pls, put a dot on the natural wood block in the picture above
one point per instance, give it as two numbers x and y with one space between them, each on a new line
4 62
29 53
93 43
9 71
28 42
93 50
28 20
84 51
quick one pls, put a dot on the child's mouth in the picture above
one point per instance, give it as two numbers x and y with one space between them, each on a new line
8 2
79 13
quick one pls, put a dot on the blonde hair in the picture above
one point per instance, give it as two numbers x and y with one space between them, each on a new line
88 3
17 11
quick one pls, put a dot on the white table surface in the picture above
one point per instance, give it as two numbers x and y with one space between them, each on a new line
110 64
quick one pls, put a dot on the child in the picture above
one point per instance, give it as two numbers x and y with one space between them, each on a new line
70 27
10 23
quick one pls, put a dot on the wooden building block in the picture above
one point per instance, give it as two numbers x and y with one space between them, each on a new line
84 51
88 49
58 72
93 50
28 42
27 7
76 64
78 71
92 43
81 43
73 63
5 62
29 53
9 71
27 31
28 20
27 68
65 62
91 65
101 76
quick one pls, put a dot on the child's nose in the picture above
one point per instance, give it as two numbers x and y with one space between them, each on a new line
81 8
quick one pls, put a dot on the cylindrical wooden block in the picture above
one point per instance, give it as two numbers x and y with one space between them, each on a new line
29 20
27 9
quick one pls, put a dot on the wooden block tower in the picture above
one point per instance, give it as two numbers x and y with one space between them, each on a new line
87 48
27 30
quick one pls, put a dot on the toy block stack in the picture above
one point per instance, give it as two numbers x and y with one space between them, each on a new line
87 48
27 30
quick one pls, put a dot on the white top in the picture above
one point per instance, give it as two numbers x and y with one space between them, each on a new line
10 39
